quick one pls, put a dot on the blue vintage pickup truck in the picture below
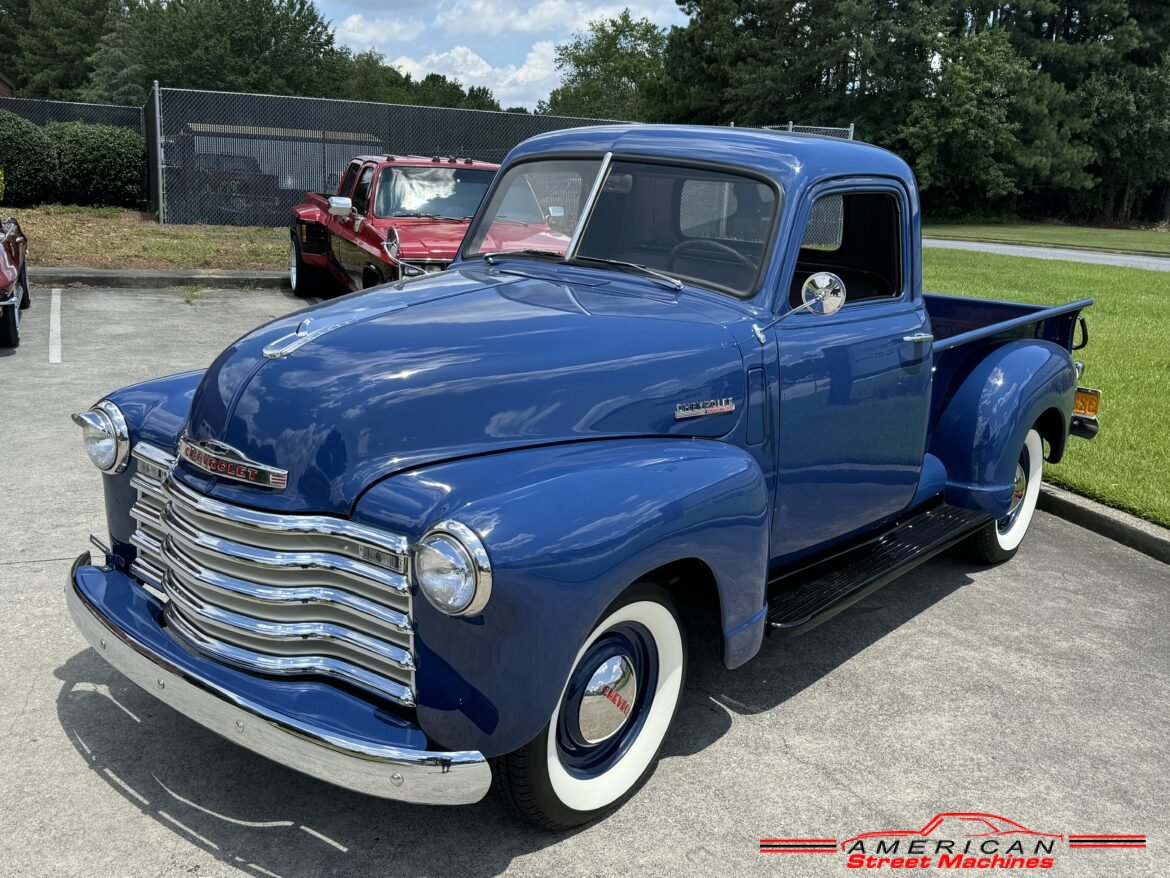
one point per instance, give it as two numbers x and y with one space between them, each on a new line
447 529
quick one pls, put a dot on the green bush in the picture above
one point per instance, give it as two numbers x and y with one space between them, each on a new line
28 160
97 164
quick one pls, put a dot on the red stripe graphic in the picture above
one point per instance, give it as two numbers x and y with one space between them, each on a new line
1116 837
799 840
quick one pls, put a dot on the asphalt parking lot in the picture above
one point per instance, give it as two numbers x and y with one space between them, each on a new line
1039 691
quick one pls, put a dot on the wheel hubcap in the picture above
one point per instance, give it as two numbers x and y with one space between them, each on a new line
608 699
1019 489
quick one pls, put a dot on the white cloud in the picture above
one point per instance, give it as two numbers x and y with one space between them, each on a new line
554 17
363 33
512 84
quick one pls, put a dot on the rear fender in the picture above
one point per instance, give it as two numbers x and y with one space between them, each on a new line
568 529
981 428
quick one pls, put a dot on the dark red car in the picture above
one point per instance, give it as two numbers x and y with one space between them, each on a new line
392 217
13 281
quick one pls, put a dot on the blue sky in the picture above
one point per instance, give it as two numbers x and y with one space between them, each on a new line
507 45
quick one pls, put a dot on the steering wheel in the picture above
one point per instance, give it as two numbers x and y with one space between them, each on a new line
701 245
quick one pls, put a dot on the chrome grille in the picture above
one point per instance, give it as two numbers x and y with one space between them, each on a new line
274 593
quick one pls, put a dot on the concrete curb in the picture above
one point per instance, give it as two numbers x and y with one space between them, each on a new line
150 278
1121 527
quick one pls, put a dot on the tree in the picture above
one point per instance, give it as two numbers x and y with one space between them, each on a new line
266 46
607 70
960 136
1129 131
480 97
56 46
13 23
698 63
117 75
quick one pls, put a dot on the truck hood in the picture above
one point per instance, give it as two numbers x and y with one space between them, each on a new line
428 239
462 363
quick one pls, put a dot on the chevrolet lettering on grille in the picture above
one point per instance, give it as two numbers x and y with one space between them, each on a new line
220 459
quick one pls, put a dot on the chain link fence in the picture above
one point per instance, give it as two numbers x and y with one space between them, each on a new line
246 159
823 130
44 112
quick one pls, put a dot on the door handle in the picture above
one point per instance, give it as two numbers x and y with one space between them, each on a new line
919 338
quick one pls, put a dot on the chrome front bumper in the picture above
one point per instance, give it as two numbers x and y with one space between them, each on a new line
120 621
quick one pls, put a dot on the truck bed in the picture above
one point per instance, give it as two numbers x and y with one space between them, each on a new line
960 320
964 328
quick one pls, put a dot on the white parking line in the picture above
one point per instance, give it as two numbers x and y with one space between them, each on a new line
55 327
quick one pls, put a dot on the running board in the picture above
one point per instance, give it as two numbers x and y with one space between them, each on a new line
806 597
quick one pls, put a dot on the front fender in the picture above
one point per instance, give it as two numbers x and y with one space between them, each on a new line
981 428
568 528
156 412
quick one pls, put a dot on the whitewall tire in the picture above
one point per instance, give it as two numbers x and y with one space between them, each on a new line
608 726
999 540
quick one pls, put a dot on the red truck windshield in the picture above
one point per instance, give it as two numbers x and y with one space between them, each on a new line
451 193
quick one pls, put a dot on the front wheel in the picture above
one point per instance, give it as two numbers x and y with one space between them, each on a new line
605 733
1000 539
304 279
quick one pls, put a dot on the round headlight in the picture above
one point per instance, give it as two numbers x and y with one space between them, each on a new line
105 436
452 569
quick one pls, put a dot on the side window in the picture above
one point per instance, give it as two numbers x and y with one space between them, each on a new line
858 237
361 193
346 183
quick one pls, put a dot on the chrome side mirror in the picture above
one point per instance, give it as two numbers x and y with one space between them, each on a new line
339 205
823 293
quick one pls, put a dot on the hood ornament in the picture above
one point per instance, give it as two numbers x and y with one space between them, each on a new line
315 327
220 459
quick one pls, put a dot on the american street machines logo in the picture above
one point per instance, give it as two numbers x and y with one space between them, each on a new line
953 840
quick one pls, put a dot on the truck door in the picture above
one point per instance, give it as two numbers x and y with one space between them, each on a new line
334 225
344 234
854 387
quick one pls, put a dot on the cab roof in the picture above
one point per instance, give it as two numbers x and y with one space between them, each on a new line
787 157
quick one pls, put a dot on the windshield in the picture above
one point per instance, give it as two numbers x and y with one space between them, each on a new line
451 193
706 227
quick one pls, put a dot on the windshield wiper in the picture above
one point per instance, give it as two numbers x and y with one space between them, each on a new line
490 258
413 215
673 282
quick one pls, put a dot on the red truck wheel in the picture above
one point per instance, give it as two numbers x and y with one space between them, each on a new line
305 280
603 738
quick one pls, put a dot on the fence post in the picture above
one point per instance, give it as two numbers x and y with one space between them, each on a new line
850 130
789 126
158 156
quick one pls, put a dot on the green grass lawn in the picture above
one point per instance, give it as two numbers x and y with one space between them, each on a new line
1051 235
113 237
1128 358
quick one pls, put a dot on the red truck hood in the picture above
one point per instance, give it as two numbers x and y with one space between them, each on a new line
427 239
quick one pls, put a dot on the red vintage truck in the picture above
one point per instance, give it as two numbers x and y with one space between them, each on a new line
392 217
